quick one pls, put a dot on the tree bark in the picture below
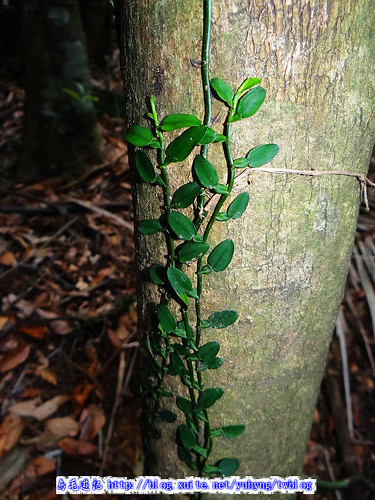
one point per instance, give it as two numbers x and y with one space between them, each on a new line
293 244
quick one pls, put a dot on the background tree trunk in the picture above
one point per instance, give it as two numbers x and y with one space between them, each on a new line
293 244
61 132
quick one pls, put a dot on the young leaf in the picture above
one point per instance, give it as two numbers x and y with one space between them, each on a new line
222 216
223 90
238 205
181 225
205 172
222 319
250 103
182 146
211 469
179 281
187 436
262 154
167 416
207 352
201 451
209 136
228 466
220 138
149 226
184 405
231 431
139 136
191 251
166 318
210 396
241 163
220 257
247 84
158 274
173 122
185 195
145 167
221 189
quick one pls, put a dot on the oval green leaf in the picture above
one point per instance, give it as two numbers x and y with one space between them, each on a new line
182 226
179 281
145 167
207 352
223 90
185 195
241 163
139 136
221 189
173 122
187 436
192 251
205 172
238 205
228 466
222 319
184 405
247 84
210 396
176 366
262 154
158 274
231 431
250 103
149 226
209 136
182 146
166 318
167 416
220 257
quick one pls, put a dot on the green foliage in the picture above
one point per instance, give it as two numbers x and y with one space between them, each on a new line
176 347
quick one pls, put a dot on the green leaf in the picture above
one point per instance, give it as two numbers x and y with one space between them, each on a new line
166 318
209 397
145 167
179 332
207 269
212 365
205 172
220 138
247 84
222 189
185 195
182 146
211 469
139 136
187 436
207 352
216 433
155 143
180 349
222 217
149 226
185 456
220 257
228 466
158 274
189 333
222 319
191 251
182 226
209 136
241 163
249 104
223 90
198 238
173 122
176 366
262 154
184 405
238 205
231 431
201 451
159 181
179 281
167 416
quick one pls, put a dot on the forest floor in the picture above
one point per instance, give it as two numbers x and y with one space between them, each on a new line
69 399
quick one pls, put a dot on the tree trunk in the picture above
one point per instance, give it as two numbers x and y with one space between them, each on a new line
61 132
293 244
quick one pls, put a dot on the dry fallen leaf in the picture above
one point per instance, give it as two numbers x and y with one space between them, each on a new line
14 358
37 331
91 421
60 427
30 408
8 259
10 432
25 408
47 375
59 326
80 394
75 447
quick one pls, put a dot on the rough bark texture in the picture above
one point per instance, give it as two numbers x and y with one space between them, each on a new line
61 132
293 245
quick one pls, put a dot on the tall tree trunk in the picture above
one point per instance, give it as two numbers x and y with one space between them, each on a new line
61 132
293 244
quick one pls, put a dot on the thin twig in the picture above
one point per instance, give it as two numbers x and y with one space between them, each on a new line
103 213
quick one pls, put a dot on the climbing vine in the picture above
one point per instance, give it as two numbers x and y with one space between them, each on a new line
177 346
